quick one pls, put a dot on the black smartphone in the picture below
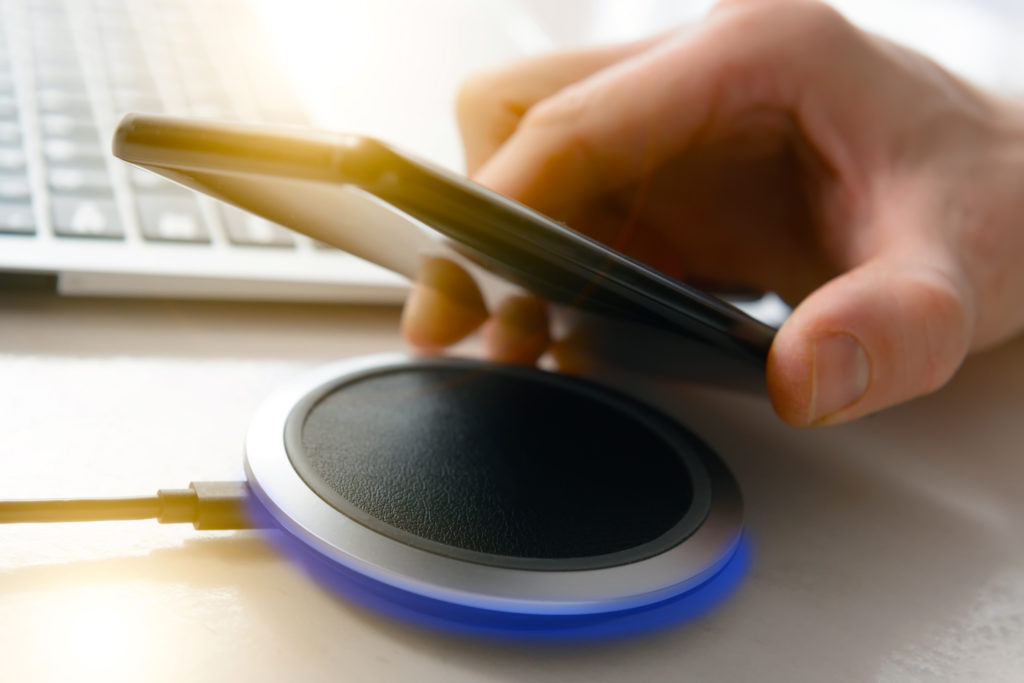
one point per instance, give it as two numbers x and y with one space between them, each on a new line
371 200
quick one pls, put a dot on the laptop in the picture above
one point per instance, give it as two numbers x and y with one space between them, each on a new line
77 221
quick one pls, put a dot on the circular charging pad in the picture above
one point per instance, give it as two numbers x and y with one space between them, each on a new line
491 492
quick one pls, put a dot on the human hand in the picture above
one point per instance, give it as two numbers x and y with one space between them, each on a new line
773 147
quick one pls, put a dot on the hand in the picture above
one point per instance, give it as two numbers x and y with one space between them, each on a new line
774 147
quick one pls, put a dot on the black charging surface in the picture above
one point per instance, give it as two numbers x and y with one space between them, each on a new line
501 465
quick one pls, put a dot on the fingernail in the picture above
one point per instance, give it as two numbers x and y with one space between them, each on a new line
841 375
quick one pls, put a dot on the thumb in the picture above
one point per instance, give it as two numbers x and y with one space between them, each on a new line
887 331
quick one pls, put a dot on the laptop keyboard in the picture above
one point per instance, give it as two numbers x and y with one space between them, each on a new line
69 69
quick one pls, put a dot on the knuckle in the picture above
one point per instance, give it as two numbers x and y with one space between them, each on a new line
563 110
769 45
824 20
562 121
799 20
724 5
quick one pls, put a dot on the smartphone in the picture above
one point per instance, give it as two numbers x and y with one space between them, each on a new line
369 199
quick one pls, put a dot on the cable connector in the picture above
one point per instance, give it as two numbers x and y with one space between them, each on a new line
207 505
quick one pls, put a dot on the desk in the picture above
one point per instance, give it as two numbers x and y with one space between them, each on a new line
888 550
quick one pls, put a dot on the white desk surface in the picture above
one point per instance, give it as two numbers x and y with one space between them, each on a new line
890 550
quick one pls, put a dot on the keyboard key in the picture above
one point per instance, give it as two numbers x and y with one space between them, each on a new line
76 179
79 152
211 110
244 228
10 132
86 217
14 186
16 218
55 55
202 91
115 22
58 76
52 32
133 100
63 101
122 51
171 219
127 75
46 10
64 126
12 159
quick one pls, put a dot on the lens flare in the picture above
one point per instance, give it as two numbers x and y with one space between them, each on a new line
97 633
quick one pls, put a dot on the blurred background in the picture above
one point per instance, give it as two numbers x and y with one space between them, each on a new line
391 67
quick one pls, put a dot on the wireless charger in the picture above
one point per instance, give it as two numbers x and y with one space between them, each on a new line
495 499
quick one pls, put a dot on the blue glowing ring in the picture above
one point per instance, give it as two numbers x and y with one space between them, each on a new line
438 615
